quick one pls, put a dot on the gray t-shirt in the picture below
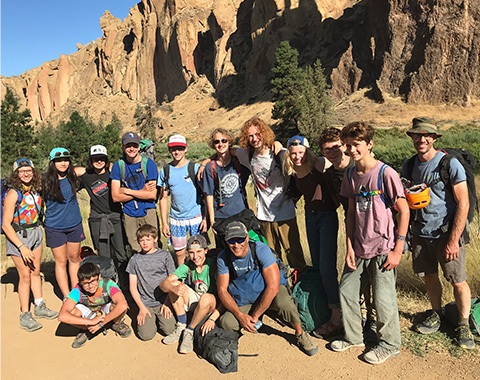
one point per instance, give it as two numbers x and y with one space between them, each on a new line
151 269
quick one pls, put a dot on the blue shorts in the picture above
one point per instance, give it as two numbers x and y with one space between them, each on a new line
56 238
180 228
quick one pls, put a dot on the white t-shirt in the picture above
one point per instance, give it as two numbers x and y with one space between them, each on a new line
272 203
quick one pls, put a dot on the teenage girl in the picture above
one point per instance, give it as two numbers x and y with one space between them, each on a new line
21 224
63 221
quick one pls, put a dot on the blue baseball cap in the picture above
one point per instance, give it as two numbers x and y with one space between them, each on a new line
21 162
58 153
298 140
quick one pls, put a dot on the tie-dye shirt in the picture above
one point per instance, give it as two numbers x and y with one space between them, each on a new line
27 211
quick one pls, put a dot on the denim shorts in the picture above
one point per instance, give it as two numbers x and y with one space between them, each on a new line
56 238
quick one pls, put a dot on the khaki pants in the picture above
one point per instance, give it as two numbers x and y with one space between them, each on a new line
132 224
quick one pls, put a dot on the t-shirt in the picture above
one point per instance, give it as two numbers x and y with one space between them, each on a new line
98 188
428 221
228 195
135 180
184 201
201 282
374 224
66 214
151 269
97 299
272 203
27 212
318 192
246 264
336 176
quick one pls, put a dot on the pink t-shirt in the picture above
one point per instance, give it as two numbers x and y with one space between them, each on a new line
374 225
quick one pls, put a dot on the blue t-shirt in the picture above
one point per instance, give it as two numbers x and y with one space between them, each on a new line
184 201
246 264
63 215
428 221
135 180
226 189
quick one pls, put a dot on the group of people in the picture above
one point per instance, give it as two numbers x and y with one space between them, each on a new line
241 278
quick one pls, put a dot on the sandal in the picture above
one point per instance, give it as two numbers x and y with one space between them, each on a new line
327 330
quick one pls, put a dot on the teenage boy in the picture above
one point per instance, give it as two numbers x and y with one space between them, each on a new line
93 304
373 247
437 229
147 269
134 184
192 287
185 206
275 209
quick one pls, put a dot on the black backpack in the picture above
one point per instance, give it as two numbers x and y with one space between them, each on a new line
469 163
219 347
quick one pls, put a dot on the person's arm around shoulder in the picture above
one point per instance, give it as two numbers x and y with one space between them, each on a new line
322 164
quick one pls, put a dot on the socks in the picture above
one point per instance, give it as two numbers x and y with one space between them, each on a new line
182 319
38 301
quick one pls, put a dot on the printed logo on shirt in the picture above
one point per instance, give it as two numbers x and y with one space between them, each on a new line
99 188
229 184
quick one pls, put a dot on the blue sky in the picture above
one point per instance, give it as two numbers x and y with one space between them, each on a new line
35 31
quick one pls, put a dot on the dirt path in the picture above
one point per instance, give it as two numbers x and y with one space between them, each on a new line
47 355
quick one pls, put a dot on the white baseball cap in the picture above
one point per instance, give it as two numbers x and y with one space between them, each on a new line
98 150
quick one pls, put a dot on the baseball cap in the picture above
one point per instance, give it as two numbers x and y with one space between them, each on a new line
58 153
423 125
21 162
298 140
235 230
177 140
130 137
197 240
98 150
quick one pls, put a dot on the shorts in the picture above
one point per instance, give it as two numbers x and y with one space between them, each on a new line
428 253
180 228
193 298
89 314
57 238
33 241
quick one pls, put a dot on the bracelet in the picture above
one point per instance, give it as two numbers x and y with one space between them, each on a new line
401 237
100 324
21 246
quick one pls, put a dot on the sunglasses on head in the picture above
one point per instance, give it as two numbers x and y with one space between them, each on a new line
223 141
236 240
61 154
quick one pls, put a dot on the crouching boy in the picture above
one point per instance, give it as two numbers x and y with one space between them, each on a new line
93 305
192 288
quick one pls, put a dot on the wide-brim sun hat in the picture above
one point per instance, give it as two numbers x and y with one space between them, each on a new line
423 125
59 152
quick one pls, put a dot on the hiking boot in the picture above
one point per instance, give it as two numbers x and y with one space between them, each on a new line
343 345
80 340
27 322
42 311
187 342
174 337
122 329
429 325
379 355
465 337
306 345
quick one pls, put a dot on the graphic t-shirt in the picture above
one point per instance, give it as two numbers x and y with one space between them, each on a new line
27 212
201 282
98 188
96 301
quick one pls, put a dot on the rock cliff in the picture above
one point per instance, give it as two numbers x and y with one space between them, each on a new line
425 51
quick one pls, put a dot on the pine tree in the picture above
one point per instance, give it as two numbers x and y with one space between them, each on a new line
109 136
18 136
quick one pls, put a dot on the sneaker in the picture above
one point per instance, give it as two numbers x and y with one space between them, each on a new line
174 337
80 340
187 342
465 337
27 322
42 311
343 345
306 345
430 324
379 355
122 329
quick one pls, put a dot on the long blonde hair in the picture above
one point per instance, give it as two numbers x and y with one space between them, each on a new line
308 161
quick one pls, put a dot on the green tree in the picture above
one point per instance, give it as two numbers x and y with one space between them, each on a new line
18 138
109 136
286 84
47 140
314 103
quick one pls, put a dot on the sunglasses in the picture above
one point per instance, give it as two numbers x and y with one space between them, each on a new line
65 153
236 240
223 141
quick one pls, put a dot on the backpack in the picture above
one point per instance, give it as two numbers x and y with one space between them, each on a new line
5 187
219 347
311 300
122 167
147 148
469 163
105 297
106 265
451 315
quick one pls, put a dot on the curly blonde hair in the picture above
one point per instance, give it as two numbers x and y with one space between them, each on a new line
266 133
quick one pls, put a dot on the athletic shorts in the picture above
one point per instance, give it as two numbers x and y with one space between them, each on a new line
89 314
428 253
57 238
33 241
193 298
180 228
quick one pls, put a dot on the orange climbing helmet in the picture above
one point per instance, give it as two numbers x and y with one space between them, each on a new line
418 196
